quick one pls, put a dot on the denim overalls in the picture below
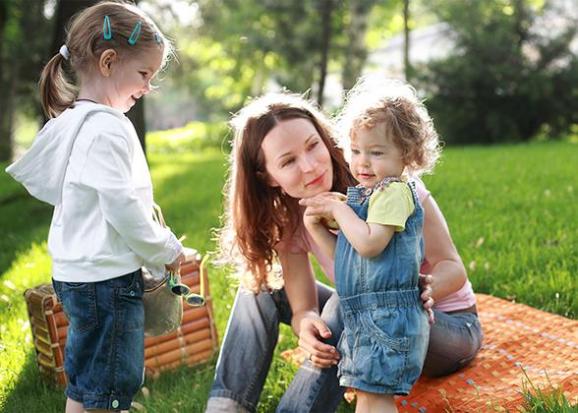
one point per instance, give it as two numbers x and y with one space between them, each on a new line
384 343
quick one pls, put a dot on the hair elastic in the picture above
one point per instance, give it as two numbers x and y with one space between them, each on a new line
64 52
135 33
106 30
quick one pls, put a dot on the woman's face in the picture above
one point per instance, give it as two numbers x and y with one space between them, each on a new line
296 159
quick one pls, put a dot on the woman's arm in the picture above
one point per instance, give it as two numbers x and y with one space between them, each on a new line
447 268
306 322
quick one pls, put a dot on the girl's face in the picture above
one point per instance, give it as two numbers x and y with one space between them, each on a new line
130 79
296 159
374 156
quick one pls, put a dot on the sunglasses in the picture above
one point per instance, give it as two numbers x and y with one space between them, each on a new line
178 288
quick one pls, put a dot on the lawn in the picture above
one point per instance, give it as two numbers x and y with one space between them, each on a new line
511 211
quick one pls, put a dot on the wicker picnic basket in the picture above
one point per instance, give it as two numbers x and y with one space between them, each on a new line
194 342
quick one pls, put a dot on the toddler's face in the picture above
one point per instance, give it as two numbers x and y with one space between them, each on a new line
374 156
131 79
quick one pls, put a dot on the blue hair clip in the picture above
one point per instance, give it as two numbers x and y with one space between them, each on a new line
106 30
135 34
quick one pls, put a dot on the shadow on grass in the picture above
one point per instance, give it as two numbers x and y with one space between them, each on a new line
32 393
24 221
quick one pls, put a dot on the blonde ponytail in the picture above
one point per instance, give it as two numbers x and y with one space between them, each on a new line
56 92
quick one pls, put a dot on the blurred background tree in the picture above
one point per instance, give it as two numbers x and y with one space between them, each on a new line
511 75
23 49
492 71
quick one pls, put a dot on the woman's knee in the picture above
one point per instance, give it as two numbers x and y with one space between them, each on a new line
331 314
454 343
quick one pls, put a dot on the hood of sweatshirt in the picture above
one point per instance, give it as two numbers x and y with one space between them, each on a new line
43 167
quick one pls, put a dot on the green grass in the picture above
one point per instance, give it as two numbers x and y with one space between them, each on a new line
511 210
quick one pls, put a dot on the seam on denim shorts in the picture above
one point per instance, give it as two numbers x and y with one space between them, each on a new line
115 333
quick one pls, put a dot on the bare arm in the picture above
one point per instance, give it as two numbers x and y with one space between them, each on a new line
368 239
449 273
306 322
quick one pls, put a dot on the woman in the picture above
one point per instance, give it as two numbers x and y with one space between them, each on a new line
283 151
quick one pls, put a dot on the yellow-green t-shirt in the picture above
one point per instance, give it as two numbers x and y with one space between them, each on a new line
391 205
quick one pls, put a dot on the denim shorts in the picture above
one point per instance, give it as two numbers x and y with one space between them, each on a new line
384 342
104 354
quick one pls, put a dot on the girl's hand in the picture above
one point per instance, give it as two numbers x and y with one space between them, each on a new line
425 285
312 330
176 264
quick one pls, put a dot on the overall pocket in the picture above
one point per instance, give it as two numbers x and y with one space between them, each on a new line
383 358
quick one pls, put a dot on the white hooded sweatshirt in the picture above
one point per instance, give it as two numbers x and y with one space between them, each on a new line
89 164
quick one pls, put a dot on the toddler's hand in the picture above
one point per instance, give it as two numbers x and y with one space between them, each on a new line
323 205
310 219
176 264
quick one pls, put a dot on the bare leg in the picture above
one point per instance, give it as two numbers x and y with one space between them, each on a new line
375 403
72 406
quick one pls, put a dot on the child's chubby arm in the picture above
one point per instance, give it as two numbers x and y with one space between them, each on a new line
368 239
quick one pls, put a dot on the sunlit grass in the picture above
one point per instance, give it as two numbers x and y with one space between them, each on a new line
511 211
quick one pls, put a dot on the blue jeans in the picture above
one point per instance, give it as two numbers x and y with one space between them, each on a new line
252 334
104 354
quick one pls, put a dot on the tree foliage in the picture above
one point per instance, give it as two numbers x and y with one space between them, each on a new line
511 75
22 52
241 48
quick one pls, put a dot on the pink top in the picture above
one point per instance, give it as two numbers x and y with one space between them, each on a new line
303 242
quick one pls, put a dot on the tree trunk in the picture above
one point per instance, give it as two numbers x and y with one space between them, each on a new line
5 128
137 117
406 41
65 10
356 53
7 85
7 115
326 13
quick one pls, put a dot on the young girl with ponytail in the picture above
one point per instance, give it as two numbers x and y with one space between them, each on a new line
88 163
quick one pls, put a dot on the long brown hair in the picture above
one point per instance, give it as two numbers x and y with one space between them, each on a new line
85 41
257 215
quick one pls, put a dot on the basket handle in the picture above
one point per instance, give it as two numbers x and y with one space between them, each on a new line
158 215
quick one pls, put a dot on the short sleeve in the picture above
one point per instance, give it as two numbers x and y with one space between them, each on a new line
391 205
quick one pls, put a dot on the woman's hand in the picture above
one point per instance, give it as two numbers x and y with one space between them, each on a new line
312 330
425 284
